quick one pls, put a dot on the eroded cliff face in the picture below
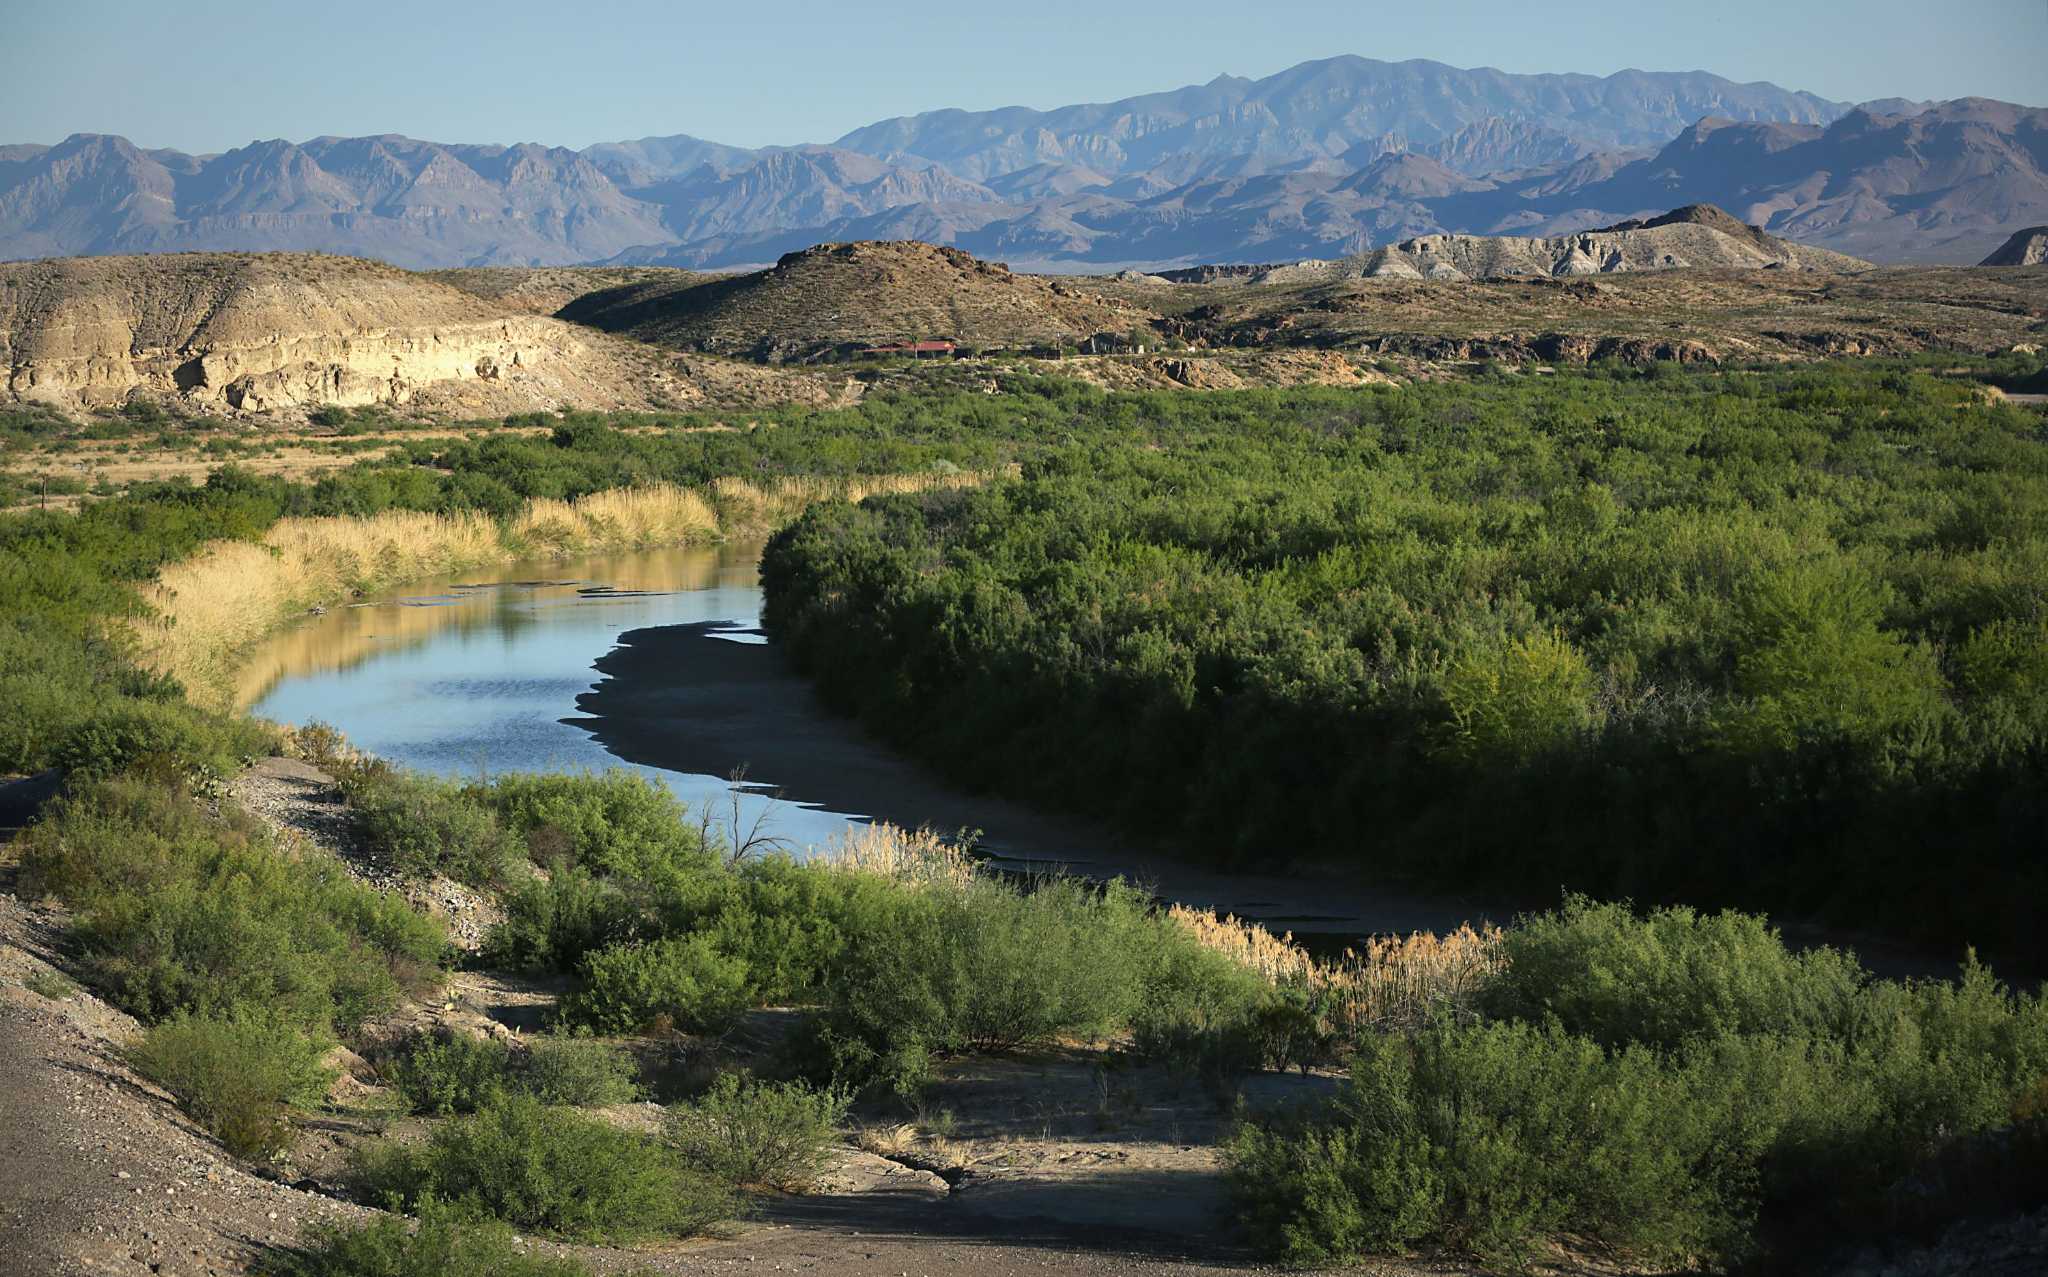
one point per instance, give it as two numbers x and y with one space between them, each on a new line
1699 239
364 367
291 332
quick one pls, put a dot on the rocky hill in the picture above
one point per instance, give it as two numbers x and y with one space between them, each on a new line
2026 248
543 290
288 332
837 299
1699 236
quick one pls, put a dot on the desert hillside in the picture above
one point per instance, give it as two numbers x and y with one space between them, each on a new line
543 290
287 332
836 299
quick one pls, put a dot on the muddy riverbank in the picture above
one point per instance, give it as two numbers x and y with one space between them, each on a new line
687 698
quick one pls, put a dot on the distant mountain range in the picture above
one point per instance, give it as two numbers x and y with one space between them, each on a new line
1327 159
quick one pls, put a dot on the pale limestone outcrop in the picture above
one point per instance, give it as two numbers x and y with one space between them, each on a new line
287 333
1676 245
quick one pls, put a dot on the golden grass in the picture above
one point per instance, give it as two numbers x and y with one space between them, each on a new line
913 857
1393 982
622 518
209 610
211 607
744 504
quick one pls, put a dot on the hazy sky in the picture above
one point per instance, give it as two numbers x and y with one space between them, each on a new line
205 75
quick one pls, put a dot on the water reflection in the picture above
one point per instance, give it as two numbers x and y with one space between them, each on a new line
464 676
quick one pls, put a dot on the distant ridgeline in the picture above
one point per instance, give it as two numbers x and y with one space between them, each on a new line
1327 159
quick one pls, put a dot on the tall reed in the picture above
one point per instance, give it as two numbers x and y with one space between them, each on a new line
208 610
746 505
913 857
1391 982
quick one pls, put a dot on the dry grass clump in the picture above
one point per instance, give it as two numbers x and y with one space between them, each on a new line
886 1139
743 503
211 608
913 857
622 518
1391 982
216 604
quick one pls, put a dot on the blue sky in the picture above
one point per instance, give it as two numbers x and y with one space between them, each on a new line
204 75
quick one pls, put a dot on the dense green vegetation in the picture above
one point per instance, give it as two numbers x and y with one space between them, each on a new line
1776 639
662 932
68 695
1674 1086
177 910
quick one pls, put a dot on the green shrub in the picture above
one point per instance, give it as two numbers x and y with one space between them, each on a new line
684 980
553 923
553 1169
425 826
1816 662
236 1075
450 1072
1489 1138
1668 977
788 921
1190 990
614 822
1198 1014
446 1243
579 1072
127 732
986 967
1519 702
753 1134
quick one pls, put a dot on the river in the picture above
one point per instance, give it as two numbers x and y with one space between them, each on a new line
653 660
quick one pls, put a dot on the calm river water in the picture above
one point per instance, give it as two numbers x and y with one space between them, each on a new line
464 676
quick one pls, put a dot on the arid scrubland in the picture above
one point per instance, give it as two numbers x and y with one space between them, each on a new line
642 1030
